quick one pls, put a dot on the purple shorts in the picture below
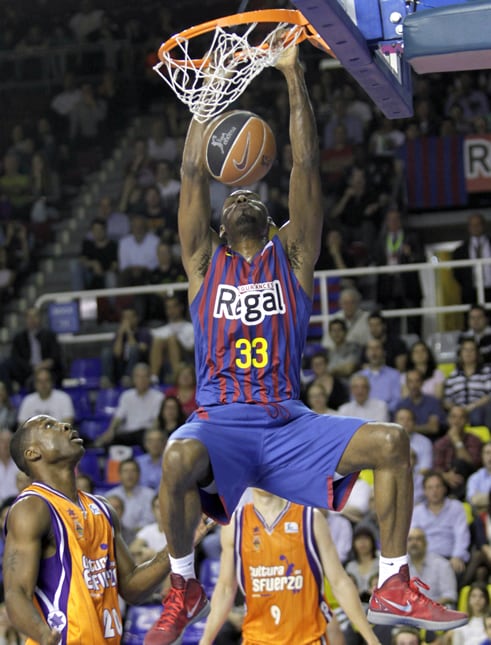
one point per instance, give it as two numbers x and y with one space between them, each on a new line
283 448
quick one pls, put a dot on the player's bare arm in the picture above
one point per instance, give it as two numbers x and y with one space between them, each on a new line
194 215
301 236
225 590
341 584
28 531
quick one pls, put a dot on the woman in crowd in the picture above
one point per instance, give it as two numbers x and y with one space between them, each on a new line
421 358
171 415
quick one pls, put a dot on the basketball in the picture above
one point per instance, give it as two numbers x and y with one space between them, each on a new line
239 148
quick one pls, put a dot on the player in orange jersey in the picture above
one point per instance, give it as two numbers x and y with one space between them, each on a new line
278 553
65 561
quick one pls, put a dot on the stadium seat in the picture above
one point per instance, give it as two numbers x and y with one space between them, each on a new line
106 401
92 428
91 464
81 402
208 574
193 633
86 372
464 594
446 368
481 432
138 621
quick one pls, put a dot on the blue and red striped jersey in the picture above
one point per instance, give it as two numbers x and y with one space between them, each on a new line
250 323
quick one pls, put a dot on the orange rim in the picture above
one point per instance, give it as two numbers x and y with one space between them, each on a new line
291 16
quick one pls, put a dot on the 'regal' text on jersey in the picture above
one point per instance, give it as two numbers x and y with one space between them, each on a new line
250 321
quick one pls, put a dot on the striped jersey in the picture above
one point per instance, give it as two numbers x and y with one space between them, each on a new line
250 323
77 587
462 389
279 571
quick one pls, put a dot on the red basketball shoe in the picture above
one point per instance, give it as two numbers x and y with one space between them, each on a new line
184 605
399 601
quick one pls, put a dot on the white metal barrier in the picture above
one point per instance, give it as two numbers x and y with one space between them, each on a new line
427 271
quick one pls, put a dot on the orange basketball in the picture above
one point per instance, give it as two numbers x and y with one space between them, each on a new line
239 148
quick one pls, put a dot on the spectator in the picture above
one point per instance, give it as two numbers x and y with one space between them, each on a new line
428 411
398 246
361 404
336 391
171 415
8 469
157 216
137 410
34 347
117 224
341 533
477 607
385 382
150 462
168 270
340 116
435 569
344 355
457 454
137 253
7 277
139 170
64 101
131 345
421 357
173 343
469 384
46 190
355 318
46 400
406 636
167 185
317 399
98 262
151 537
487 629
476 245
15 188
444 522
118 504
420 445
364 562
478 485
480 330
184 388
17 246
161 145
8 413
137 498
394 347
87 116
337 159
86 23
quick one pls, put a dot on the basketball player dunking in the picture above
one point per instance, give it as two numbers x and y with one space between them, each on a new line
250 301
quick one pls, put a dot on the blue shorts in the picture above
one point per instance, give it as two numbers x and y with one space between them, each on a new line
283 448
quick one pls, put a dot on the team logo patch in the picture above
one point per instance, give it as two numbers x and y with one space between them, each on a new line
95 509
291 527
56 620
249 303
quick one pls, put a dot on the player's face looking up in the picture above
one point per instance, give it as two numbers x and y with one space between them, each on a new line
244 214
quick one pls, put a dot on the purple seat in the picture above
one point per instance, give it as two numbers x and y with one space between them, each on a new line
81 402
106 401
87 371
90 429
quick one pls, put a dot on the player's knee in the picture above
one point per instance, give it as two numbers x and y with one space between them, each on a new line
184 461
395 443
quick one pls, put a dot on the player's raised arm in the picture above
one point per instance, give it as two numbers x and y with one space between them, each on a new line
28 526
194 214
305 196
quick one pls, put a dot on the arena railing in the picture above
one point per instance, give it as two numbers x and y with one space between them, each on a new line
427 270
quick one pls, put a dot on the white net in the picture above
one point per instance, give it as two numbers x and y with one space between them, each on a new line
210 86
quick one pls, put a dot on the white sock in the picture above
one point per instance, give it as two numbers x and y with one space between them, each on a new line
389 567
183 566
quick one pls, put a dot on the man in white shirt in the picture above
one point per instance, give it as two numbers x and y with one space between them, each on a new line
173 342
137 409
361 405
8 469
137 253
46 400
478 485
356 319
475 246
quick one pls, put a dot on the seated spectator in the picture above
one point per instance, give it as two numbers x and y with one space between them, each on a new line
344 355
364 562
457 454
385 382
8 469
394 347
157 215
118 504
151 537
46 400
434 569
131 345
420 445
8 413
171 415
361 404
317 399
168 270
428 411
15 188
356 319
478 486
421 358
444 522
137 409
396 245
64 101
46 190
7 277
98 262
151 461
161 145
479 329
137 498
476 245
341 533
337 159
86 23
173 343
477 607
184 388
34 347
18 247
86 117
469 384
140 168
137 253
117 224
406 635
167 185
336 391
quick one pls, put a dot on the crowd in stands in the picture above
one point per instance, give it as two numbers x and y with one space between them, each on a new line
145 386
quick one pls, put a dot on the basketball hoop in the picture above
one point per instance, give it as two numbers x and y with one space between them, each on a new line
209 83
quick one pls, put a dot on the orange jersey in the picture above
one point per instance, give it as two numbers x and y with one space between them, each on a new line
280 574
77 588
